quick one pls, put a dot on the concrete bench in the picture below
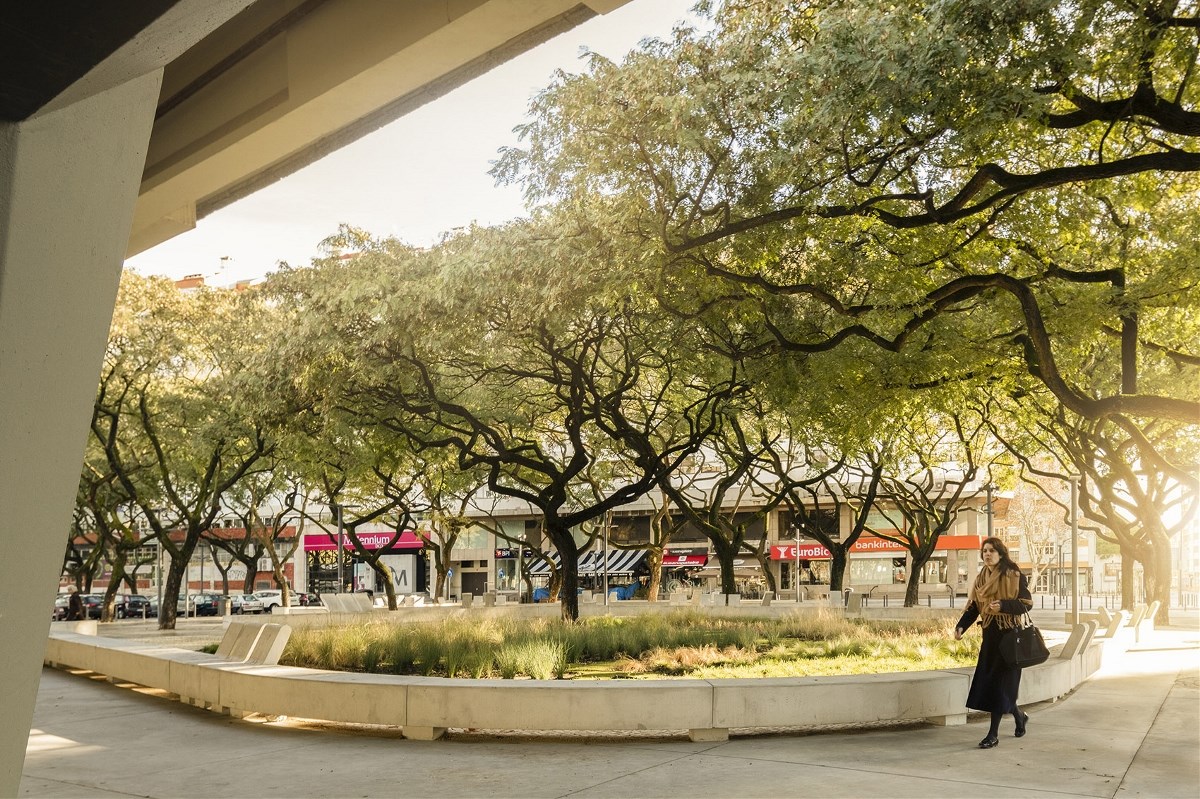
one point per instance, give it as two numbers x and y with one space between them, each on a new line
895 591
424 708
1145 625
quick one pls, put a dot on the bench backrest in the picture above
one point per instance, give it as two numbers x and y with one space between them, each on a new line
243 638
1080 637
270 644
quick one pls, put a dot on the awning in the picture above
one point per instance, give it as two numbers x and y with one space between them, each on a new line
620 561
591 564
543 567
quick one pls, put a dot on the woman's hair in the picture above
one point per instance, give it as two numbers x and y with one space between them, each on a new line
1006 563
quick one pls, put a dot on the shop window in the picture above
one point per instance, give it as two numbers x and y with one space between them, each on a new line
506 574
474 537
871 571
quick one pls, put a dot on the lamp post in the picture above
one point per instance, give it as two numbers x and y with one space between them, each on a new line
1074 549
989 488
159 578
340 548
1062 588
604 553
796 565
1179 567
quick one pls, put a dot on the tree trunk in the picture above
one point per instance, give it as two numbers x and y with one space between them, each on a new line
726 553
768 575
654 558
1158 574
837 567
913 586
570 592
386 579
440 570
166 610
1127 561
568 570
251 573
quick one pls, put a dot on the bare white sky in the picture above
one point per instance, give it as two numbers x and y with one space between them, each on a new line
420 176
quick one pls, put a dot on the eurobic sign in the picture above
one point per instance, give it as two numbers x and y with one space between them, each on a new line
867 545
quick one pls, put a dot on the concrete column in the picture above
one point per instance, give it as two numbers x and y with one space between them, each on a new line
68 182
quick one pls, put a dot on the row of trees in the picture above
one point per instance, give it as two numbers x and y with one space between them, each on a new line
830 253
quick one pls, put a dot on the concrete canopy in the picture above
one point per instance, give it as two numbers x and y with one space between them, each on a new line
274 86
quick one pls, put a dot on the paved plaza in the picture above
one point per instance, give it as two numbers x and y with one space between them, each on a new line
1132 730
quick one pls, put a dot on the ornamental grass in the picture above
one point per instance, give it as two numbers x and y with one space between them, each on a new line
681 644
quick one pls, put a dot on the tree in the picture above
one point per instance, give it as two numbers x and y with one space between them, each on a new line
1039 522
1125 497
935 459
268 504
449 493
876 167
167 414
520 352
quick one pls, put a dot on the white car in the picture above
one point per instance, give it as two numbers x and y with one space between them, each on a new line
246 603
270 598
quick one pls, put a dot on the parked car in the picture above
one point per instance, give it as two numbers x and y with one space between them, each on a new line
245 603
207 604
60 607
271 598
197 605
93 605
133 606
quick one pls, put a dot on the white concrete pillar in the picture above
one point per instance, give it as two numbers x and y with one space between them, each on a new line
68 182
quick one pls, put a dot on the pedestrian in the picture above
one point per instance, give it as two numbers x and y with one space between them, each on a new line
999 597
74 604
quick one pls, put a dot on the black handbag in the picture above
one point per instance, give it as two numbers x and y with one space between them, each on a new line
1024 646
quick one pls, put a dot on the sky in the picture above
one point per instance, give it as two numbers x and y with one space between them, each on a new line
416 178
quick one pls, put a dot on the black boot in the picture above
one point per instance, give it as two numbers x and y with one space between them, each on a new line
988 742
1022 719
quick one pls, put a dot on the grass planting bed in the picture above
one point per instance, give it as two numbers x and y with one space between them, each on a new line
683 644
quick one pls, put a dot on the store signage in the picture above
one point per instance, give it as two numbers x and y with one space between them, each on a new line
382 540
685 557
511 552
810 551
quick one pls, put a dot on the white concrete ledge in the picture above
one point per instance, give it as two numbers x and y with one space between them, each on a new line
425 707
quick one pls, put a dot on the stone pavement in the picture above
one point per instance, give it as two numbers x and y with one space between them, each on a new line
1133 730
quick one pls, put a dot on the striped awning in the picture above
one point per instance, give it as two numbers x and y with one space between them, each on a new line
591 564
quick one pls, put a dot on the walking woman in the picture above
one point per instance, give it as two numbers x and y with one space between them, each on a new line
998 599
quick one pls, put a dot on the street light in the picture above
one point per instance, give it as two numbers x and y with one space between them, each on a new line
607 520
796 566
989 488
1074 549
341 580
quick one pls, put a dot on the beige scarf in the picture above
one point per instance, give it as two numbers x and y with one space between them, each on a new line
991 585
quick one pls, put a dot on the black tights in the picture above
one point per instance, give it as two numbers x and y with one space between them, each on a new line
994 730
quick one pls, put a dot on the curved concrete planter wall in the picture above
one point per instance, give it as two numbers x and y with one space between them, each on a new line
425 707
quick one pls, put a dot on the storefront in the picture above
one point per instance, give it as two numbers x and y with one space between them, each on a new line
878 561
401 556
